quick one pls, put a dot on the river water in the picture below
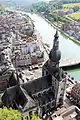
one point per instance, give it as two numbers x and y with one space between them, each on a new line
69 50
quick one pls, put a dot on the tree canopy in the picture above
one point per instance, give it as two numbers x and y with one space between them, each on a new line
76 8
10 114
41 6
1 8
69 1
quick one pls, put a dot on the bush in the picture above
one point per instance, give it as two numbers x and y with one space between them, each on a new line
10 114
33 117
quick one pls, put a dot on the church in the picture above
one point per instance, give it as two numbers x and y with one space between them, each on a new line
41 95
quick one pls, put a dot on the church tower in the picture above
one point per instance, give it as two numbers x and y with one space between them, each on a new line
51 67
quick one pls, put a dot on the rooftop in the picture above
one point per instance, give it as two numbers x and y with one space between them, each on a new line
71 113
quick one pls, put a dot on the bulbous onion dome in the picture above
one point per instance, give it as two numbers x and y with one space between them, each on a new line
55 53
55 56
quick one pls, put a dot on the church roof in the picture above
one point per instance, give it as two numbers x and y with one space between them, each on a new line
17 97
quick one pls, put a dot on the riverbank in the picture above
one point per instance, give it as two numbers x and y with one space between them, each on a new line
71 67
66 46
56 27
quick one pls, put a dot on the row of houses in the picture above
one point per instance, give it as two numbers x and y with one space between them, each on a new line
18 30
64 11
17 48
25 44
72 30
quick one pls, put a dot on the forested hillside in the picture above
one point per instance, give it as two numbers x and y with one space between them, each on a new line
69 1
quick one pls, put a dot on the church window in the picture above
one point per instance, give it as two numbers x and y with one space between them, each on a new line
46 73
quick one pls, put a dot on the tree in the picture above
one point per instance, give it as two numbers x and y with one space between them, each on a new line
33 117
41 7
76 8
69 1
1 9
9 114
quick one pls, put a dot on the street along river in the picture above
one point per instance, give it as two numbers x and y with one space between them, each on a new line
69 50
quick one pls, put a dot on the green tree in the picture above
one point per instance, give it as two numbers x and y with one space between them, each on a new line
9 114
32 117
69 1
1 8
76 8
41 7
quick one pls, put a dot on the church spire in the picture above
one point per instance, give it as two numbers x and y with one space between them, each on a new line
56 35
55 54
56 41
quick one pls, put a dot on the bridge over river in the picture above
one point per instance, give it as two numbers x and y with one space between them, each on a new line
63 62
69 62
69 50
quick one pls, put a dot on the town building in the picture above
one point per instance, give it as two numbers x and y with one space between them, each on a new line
65 12
19 37
75 94
70 113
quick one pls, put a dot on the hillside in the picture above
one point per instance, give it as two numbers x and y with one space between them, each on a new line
69 1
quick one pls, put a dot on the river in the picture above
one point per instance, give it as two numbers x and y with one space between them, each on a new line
69 50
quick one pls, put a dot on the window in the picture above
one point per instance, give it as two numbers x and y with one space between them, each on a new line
46 73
